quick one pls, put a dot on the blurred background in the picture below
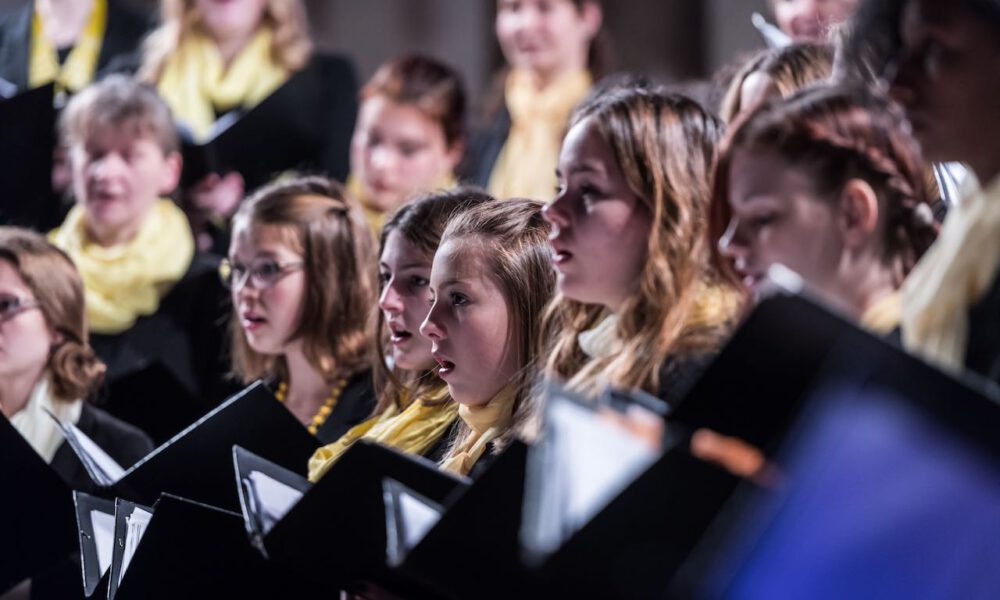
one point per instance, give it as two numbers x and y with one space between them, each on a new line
670 40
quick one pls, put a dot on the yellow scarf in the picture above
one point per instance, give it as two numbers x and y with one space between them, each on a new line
80 65
414 430
376 217
527 163
883 316
952 276
123 282
195 81
488 422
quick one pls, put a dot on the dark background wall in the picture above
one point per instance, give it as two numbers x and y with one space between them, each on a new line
671 40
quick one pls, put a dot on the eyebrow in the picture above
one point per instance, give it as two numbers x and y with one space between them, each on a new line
586 168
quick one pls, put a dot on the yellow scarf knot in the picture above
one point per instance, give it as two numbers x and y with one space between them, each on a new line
527 163
488 422
414 430
81 64
122 283
196 81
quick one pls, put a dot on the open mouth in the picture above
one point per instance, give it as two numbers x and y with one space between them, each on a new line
445 366
252 321
397 334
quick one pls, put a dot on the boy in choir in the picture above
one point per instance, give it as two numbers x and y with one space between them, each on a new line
301 270
489 285
639 306
830 184
154 306
409 136
415 412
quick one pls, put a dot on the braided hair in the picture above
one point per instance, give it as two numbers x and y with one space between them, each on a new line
836 133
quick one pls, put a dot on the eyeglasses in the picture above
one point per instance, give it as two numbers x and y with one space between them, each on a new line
263 274
11 306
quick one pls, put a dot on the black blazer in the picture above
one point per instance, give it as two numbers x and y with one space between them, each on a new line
355 405
170 368
982 352
678 373
123 442
484 149
124 33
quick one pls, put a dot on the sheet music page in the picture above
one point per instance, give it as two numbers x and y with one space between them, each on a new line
136 526
418 518
274 498
104 537
106 466
597 459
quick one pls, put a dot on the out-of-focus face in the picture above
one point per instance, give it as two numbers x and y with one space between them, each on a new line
398 151
405 299
948 79
600 228
25 338
118 175
810 20
231 19
268 287
546 36
468 324
778 217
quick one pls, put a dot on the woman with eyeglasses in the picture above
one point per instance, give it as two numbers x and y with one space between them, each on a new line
301 270
46 362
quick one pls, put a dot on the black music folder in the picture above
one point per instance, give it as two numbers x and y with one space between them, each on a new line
95 518
27 140
889 487
335 527
248 141
37 529
197 463
471 550
183 549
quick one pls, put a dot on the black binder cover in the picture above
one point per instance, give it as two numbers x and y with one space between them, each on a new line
250 144
197 462
123 509
27 137
338 527
887 451
38 528
93 577
192 550
472 551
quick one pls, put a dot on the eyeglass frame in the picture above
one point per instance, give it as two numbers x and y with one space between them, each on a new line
252 274
21 305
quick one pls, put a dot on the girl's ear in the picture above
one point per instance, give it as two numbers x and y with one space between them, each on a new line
593 16
859 213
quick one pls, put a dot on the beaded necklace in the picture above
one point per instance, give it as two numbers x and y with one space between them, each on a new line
324 411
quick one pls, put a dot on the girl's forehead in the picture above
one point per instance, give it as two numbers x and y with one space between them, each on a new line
251 238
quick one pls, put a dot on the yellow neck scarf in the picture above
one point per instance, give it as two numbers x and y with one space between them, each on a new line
527 163
376 217
80 65
195 81
414 430
951 277
883 316
122 283
488 422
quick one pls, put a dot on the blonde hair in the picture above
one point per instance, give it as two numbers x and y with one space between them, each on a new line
514 239
292 46
74 369
665 145
789 69
337 249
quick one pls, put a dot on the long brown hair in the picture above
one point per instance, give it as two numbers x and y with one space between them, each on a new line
318 221
74 369
665 145
292 46
514 237
837 133
421 223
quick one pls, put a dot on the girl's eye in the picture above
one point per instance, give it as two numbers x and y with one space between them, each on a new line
762 220
458 299
383 278
419 282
